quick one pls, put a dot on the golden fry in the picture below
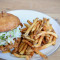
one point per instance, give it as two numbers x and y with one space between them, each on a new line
24 49
28 38
24 29
27 42
36 41
29 50
54 39
44 42
29 22
19 56
35 26
27 57
46 45
50 40
40 41
44 32
27 25
32 53
38 26
31 35
21 47
38 52
29 29
41 54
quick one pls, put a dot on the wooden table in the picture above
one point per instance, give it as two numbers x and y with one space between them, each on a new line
49 7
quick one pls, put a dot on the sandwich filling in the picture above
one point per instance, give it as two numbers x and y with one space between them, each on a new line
7 37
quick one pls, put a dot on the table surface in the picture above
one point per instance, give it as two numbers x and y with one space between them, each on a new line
49 7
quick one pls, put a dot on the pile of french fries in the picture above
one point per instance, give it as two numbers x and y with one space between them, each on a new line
35 37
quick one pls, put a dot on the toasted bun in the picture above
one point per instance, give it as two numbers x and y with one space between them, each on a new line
8 22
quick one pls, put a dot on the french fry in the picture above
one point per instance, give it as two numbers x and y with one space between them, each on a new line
44 42
44 32
54 39
31 35
19 56
21 24
28 38
34 27
29 22
51 28
44 20
22 46
40 41
16 44
29 29
32 53
41 54
24 29
27 25
24 40
29 50
15 50
47 38
47 22
22 52
36 41
46 45
27 57
50 40
38 26
40 21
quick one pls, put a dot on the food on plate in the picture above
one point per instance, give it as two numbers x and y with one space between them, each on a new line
9 31
36 35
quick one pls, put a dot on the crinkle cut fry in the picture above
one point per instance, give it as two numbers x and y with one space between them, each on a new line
41 54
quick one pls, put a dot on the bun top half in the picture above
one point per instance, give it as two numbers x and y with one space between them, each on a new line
8 22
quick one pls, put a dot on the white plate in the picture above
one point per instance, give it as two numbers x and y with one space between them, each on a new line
25 15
